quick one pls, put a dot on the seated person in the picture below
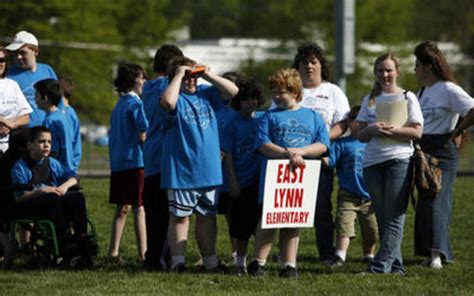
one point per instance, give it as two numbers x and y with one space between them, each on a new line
49 197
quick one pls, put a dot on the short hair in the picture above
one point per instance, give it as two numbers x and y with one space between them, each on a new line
309 49
177 62
126 75
248 89
164 55
233 76
35 132
49 88
288 79
428 53
66 87
3 49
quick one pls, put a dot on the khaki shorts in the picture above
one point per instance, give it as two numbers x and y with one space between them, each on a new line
350 207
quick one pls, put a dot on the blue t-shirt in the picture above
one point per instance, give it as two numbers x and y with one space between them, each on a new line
21 174
191 152
239 140
152 149
61 144
128 120
224 116
75 132
26 79
289 129
347 155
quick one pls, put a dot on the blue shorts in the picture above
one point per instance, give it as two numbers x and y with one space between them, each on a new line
183 202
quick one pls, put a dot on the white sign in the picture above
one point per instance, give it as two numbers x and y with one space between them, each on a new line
289 199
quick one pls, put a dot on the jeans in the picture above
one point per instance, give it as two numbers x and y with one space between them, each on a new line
433 216
388 184
324 222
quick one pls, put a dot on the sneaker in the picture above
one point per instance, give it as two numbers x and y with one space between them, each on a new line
337 262
254 269
436 264
288 272
179 268
367 260
240 270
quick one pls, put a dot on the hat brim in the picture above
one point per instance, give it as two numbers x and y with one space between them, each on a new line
14 46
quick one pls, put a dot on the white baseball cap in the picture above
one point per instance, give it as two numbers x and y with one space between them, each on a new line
21 38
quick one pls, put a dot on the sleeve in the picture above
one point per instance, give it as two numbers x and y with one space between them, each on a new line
139 116
414 109
23 105
460 101
60 173
321 134
334 154
342 106
263 131
20 175
212 94
364 112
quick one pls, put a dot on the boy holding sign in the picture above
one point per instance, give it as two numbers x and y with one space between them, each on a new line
286 132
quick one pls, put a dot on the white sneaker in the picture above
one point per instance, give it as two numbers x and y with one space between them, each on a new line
436 264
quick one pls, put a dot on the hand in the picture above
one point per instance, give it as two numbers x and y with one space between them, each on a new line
381 129
181 70
50 189
296 162
4 130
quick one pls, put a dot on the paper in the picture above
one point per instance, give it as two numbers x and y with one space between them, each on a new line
393 110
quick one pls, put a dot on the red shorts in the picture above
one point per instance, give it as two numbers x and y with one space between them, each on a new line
126 187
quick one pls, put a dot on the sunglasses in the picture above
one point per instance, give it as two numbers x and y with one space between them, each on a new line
3 60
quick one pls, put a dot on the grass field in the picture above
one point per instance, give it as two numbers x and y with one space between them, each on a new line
107 278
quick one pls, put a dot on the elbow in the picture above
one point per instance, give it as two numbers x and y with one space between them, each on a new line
167 106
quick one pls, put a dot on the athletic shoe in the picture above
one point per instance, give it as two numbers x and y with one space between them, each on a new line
219 268
240 270
179 268
436 264
337 262
254 269
288 272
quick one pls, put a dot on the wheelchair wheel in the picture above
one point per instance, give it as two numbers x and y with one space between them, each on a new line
6 251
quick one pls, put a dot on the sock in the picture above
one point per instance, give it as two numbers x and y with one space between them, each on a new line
341 254
369 256
285 264
261 262
175 260
210 262
234 257
241 261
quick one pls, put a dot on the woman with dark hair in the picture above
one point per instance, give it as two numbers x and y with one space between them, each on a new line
387 166
442 102
326 98
14 107
128 125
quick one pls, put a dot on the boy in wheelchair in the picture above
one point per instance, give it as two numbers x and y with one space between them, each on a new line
51 196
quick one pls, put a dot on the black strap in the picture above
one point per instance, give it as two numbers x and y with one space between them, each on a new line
420 93
40 171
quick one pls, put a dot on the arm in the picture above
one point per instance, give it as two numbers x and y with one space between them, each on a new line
27 195
465 123
412 131
10 124
226 87
64 187
142 137
234 186
170 95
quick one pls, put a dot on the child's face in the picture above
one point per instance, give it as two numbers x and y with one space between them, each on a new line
41 146
249 106
284 99
40 101
189 83
139 82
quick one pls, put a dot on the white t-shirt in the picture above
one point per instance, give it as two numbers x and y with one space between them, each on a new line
328 100
441 105
12 104
375 150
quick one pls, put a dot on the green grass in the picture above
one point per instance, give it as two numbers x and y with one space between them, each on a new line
106 278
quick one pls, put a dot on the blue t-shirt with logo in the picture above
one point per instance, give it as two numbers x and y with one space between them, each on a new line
152 149
239 140
289 129
61 144
347 155
191 152
128 120
26 79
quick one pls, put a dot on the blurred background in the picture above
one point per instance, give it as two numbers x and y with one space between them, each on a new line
85 40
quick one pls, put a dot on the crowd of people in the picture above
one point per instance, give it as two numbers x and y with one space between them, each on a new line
179 147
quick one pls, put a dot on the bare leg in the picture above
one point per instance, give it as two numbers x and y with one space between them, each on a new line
118 224
263 243
289 238
178 235
140 231
206 234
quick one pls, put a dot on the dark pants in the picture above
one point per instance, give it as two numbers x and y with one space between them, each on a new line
324 222
61 210
155 203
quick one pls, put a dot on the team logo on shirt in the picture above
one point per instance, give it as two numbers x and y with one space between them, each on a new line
293 133
199 114
246 145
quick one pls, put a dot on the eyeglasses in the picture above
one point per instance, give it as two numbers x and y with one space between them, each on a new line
3 60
